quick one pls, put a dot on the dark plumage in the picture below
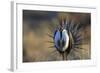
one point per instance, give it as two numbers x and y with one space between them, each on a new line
67 37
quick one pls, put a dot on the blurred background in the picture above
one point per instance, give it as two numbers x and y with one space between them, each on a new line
38 26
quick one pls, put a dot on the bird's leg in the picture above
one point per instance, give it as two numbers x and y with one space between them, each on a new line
64 56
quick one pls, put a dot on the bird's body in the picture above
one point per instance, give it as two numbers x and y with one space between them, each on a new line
66 38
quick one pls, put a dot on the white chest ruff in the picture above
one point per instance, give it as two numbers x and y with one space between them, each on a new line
64 37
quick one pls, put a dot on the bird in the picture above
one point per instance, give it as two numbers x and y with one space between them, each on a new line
67 37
